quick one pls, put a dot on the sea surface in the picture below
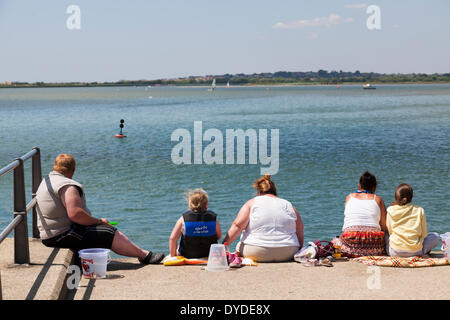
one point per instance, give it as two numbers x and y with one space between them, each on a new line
327 137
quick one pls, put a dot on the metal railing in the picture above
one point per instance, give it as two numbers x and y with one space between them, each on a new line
21 208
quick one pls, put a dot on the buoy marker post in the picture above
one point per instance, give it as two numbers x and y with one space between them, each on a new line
120 134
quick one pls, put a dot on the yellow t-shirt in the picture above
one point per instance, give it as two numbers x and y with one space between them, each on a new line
407 227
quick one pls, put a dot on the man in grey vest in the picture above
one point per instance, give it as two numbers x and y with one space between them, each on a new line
64 221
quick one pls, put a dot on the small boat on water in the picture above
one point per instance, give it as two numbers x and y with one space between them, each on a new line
213 85
369 86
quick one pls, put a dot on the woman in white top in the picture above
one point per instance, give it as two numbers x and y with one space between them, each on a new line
364 221
271 227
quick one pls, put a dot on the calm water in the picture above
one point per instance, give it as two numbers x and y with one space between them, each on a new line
328 137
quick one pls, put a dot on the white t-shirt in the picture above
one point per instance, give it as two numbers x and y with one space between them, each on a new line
362 213
272 223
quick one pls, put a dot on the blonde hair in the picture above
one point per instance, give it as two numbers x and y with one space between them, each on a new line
64 163
197 200
264 185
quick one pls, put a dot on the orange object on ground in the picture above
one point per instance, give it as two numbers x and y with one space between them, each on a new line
180 260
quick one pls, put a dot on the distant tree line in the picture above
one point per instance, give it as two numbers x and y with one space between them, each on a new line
267 78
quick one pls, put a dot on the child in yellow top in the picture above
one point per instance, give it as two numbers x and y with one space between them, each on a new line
407 226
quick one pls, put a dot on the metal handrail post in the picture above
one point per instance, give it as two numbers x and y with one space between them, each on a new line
21 246
36 181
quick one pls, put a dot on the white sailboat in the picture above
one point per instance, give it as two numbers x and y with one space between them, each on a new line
228 84
213 85
369 86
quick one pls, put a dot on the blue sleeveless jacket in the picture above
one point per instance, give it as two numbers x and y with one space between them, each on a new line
200 233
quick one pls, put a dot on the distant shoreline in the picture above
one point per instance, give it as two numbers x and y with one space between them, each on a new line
293 84
279 78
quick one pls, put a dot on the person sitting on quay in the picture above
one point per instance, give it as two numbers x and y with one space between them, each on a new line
64 220
271 227
364 222
198 228
407 225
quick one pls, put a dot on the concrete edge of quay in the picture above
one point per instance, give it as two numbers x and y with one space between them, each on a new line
43 279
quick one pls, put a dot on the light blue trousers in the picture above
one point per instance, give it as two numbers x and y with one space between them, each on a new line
431 241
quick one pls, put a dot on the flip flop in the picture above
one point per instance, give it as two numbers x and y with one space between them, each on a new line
152 258
325 262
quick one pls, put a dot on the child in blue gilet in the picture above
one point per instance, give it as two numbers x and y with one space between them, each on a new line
197 227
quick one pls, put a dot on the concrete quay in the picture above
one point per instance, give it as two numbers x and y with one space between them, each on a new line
45 278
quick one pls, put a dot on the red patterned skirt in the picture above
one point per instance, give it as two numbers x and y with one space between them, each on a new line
358 241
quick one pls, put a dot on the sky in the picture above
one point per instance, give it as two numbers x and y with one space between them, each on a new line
156 39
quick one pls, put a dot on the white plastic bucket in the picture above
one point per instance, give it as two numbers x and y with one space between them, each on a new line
445 239
446 245
217 259
94 262
446 250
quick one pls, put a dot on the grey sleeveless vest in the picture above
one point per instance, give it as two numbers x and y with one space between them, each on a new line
52 215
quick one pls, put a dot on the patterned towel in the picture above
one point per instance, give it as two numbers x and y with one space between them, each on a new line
396 262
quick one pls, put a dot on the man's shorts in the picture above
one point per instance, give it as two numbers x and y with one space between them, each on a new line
80 237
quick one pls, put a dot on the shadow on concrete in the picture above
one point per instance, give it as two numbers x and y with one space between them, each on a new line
66 293
69 294
114 276
40 278
119 265
90 287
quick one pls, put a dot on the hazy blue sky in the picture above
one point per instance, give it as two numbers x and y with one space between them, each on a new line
155 39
